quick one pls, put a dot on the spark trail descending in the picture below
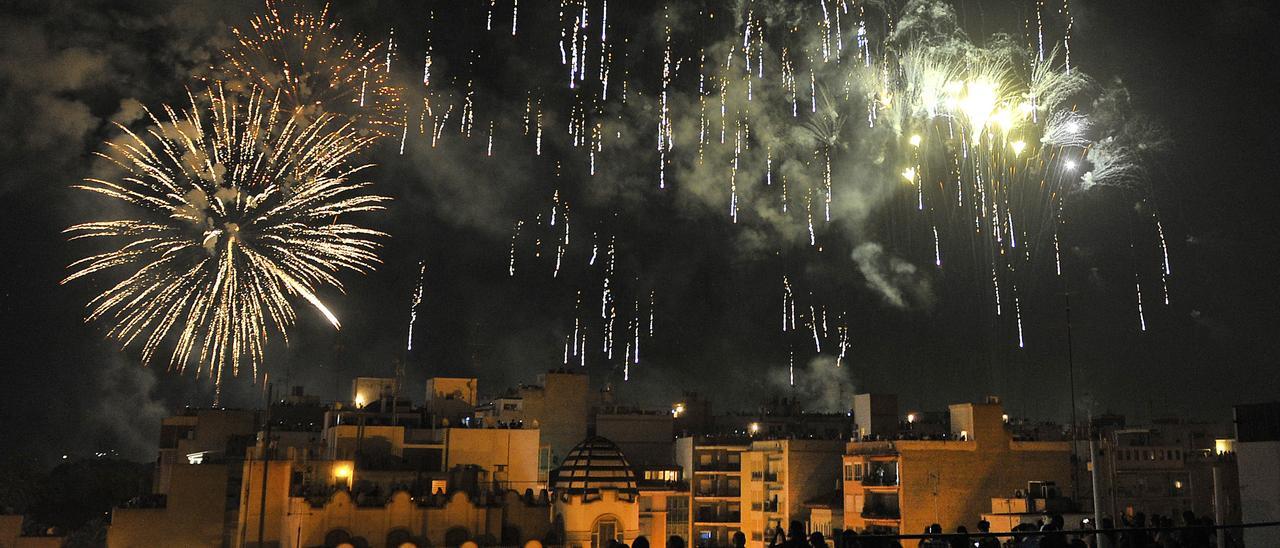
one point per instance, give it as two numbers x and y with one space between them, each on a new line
233 209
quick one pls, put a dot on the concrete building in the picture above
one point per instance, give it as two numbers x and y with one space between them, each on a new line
450 401
194 500
664 503
646 437
192 512
875 416
1031 510
199 435
369 475
559 406
1257 447
11 535
906 485
780 477
366 390
1142 470
714 468
1166 468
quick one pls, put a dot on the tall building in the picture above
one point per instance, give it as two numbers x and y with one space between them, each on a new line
558 406
904 485
1166 468
714 469
875 416
645 436
1257 447
780 477
194 499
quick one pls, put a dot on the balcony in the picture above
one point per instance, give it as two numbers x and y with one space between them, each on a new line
710 516
881 474
722 492
770 507
770 477
718 466
881 513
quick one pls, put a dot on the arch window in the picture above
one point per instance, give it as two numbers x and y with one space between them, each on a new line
605 529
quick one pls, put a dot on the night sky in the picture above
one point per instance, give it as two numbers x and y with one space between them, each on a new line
1197 75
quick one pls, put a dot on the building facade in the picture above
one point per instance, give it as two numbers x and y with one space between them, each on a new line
903 486
780 477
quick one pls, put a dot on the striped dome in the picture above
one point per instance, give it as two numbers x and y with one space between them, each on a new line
594 465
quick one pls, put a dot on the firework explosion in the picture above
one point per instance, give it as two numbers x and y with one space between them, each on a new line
233 209
809 126
317 72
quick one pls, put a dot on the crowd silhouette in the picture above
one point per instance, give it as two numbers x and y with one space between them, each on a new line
1136 531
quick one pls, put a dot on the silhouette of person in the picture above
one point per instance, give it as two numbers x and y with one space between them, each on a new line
934 540
984 526
779 537
816 540
795 535
849 539
961 540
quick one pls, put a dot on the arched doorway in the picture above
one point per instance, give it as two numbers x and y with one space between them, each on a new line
456 536
401 538
336 537
606 528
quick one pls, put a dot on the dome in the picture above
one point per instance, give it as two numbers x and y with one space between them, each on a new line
594 465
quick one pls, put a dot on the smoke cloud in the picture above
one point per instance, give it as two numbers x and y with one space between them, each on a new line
894 279
821 385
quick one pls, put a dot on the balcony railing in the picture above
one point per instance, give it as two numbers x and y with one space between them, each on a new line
721 492
883 481
718 466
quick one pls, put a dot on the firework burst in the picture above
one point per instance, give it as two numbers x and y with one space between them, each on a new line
232 210
317 71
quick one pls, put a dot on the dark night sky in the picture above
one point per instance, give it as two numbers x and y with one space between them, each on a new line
1200 71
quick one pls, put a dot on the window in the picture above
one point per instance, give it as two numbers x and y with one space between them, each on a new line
848 472
606 530
677 515
857 471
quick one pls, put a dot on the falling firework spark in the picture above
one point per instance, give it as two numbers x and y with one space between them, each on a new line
317 73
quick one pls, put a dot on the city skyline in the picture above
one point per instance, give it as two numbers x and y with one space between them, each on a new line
717 284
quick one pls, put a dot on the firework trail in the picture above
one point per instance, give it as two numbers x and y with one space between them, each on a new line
415 302
234 210
317 72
